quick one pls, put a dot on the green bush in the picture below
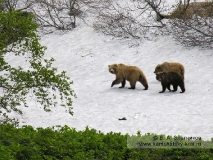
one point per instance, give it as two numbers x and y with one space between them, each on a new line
19 38
65 143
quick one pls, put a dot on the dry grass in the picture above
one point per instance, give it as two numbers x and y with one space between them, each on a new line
202 9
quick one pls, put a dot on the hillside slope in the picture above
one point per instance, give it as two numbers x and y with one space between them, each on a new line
85 55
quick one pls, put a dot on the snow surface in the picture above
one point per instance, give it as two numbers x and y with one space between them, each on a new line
86 54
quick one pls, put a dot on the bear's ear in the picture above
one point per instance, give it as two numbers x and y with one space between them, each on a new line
109 66
158 66
115 65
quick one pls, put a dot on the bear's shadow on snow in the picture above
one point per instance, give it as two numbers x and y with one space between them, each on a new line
122 90
153 90
150 92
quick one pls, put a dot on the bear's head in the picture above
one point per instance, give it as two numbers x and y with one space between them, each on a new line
158 69
160 76
113 68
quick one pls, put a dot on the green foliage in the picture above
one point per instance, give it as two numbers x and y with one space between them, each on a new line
19 38
64 143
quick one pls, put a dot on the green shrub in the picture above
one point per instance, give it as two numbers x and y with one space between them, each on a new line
65 143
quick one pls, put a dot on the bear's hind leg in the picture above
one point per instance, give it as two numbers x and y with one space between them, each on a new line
132 84
182 88
146 87
175 88
123 83
143 82
133 87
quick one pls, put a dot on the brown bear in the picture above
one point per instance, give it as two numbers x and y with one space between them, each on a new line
170 66
129 73
170 78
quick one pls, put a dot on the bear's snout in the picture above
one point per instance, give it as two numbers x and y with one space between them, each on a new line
112 71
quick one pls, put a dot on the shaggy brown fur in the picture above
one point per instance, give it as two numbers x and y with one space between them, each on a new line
170 78
129 73
170 67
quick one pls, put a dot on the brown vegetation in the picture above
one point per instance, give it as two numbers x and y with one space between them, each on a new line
186 11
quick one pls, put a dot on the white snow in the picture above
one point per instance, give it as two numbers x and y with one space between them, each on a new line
86 54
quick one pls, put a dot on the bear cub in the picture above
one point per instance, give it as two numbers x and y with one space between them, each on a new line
170 67
129 73
170 78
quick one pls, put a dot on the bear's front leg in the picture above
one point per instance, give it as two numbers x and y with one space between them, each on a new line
116 81
163 88
123 84
168 87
